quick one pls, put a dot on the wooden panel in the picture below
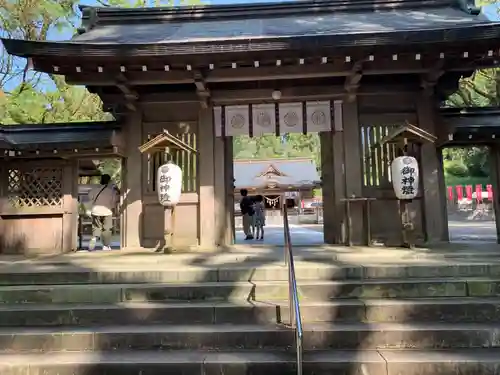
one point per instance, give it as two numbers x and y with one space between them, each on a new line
31 234
386 222
171 112
186 225
396 102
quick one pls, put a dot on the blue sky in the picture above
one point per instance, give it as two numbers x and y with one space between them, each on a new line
66 34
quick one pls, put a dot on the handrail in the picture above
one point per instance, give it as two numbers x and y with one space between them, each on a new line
293 295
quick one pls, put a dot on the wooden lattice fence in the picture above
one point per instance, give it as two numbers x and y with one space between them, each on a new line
34 186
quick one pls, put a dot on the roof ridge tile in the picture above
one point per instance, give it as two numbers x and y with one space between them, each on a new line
92 16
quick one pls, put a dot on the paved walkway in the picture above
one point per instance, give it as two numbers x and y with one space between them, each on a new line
312 235
301 236
472 231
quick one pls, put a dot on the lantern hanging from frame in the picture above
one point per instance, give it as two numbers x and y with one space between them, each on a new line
405 177
169 184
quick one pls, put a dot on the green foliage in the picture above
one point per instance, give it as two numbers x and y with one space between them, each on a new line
28 97
270 146
462 164
456 168
482 89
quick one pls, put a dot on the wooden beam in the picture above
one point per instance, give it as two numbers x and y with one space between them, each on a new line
305 93
153 98
133 78
239 74
252 95
64 153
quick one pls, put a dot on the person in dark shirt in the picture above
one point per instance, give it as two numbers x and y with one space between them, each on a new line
246 207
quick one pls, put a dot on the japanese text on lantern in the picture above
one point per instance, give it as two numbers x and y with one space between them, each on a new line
407 180
164 185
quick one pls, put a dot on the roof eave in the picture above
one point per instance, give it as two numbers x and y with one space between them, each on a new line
25 48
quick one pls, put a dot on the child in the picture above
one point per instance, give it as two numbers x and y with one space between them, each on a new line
259 217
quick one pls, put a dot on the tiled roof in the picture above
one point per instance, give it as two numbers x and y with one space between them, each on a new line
295 172
259 27
95 134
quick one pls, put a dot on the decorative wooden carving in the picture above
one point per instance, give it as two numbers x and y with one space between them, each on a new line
319 118
272 171
263 119
237 120
291 118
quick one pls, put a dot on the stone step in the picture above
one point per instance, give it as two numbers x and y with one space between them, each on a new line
250 291
452 310
376 362
343 336
43 274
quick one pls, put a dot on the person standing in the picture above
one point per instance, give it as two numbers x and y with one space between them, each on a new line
259 217
246 207
104 199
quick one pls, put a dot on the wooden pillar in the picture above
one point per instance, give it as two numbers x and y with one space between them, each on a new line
207 207
70 204
223 159
229 179
433 189
353 169
132 215
495 181
333 188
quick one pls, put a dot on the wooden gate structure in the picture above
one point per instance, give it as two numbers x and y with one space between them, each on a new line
39 182
200 72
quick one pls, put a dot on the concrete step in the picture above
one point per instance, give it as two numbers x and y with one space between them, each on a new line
343 336
376 362
250 291
109 273
452 310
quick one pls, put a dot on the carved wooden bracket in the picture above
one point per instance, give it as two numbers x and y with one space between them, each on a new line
131 96
351 84
430 79
201 89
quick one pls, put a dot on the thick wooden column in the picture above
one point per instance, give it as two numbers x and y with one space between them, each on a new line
223 158
353 168
131 223
495 181
206 171
330 225
434 195
333 188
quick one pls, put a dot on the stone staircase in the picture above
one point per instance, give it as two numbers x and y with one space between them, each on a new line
151 315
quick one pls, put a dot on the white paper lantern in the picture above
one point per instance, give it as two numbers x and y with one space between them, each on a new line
169 184
404 173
